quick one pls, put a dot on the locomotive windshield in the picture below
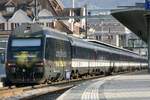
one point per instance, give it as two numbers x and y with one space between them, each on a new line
26 42
26 49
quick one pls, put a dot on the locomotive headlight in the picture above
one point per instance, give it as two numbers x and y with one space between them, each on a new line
11 64
40 64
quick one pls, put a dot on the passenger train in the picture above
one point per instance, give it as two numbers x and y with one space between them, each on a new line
39 55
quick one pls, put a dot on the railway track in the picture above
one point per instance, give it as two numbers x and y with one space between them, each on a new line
7 92
13 90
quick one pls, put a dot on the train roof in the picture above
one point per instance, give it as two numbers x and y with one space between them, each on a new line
78 42
109 45
81 43
118 49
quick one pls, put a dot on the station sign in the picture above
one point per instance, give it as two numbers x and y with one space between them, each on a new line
147 4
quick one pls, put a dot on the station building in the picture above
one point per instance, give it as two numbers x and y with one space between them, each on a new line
108 30
16 12
111 31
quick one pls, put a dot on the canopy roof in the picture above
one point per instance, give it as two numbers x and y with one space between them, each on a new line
133 19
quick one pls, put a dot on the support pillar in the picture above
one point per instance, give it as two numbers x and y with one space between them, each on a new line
117 40
148 41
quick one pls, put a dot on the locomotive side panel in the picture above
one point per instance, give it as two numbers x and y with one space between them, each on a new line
57 56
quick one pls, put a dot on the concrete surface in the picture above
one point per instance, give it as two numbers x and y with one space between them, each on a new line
134 86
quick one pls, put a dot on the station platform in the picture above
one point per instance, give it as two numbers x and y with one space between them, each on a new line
133 86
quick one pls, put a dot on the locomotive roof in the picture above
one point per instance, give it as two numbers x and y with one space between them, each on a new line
48 32
34 30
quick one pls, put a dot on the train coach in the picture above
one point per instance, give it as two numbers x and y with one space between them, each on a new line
39 55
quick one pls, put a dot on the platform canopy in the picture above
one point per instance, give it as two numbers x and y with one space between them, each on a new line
133 19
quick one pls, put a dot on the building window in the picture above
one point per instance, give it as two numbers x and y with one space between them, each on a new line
14 25
10 9
40 23
2 26
100 38
110 37
97 38
48 24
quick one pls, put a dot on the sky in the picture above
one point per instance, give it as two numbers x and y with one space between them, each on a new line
100 4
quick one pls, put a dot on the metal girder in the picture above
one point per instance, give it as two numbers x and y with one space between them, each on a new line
76 17
56 6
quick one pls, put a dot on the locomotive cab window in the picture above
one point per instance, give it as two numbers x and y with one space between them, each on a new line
26 42
31 47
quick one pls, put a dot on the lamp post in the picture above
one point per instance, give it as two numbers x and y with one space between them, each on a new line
86 22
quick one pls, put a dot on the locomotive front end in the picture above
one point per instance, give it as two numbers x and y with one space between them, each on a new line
25 62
